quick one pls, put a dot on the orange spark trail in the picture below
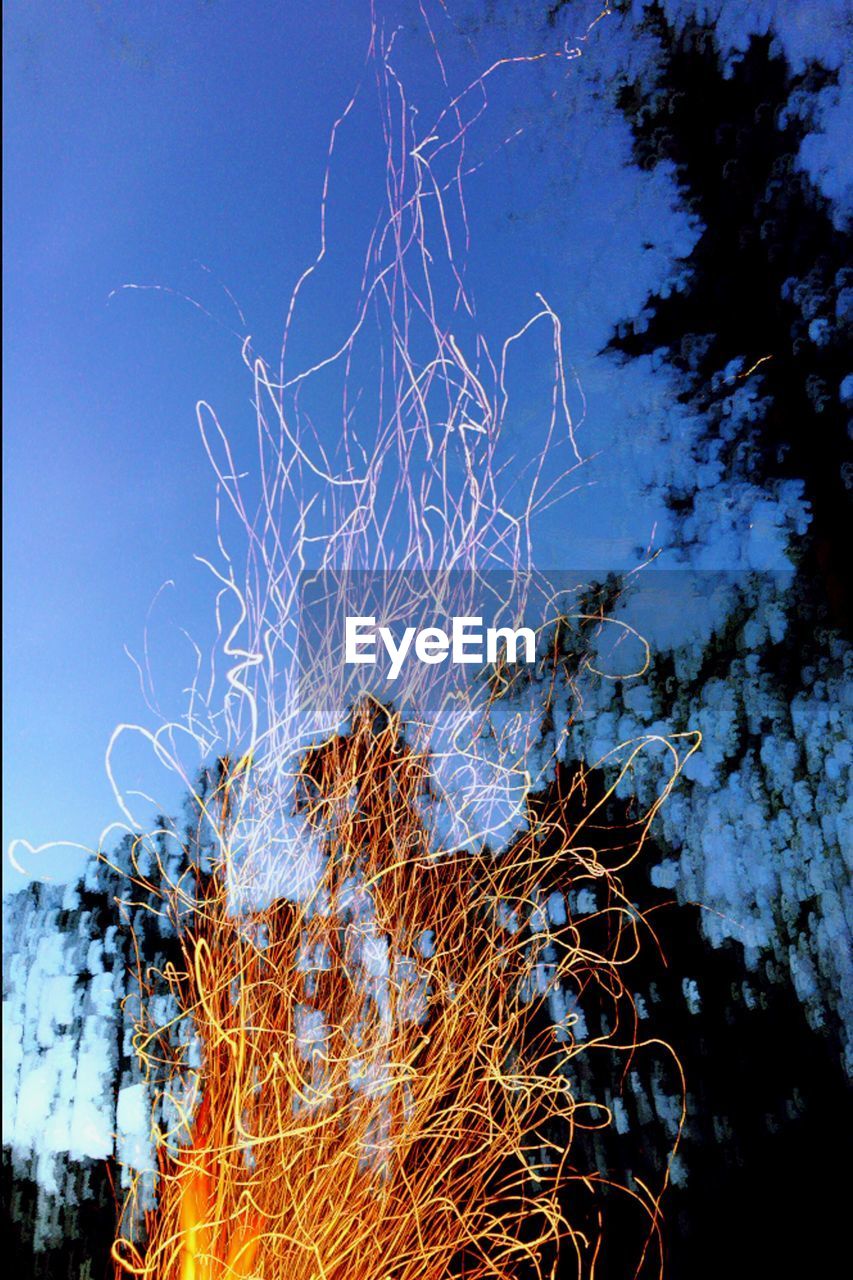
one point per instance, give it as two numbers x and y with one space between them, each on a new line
362 1073
371 1106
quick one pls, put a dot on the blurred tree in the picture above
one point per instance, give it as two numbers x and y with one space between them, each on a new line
755 324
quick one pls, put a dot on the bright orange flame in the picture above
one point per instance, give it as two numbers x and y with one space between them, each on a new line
195 1196
199 1259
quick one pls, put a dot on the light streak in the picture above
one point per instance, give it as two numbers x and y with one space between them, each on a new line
382 1088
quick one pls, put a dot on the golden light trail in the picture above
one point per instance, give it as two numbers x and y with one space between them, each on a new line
365 1077
374 1107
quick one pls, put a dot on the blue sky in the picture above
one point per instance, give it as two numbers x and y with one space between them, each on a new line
141 141
183 145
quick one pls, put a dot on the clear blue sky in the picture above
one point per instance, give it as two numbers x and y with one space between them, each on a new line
145 142
142 141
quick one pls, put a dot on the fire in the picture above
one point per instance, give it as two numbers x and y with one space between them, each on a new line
371 1076
383 1091
199 1259
208 1251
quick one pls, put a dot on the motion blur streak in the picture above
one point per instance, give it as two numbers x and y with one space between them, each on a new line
366 1069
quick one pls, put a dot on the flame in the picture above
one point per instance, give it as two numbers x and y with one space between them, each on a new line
373 1106
199 1260
208 1253
196 1263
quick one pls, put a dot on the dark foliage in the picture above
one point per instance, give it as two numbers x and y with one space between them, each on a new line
769 279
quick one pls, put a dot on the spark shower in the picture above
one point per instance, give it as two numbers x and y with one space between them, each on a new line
361 1061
